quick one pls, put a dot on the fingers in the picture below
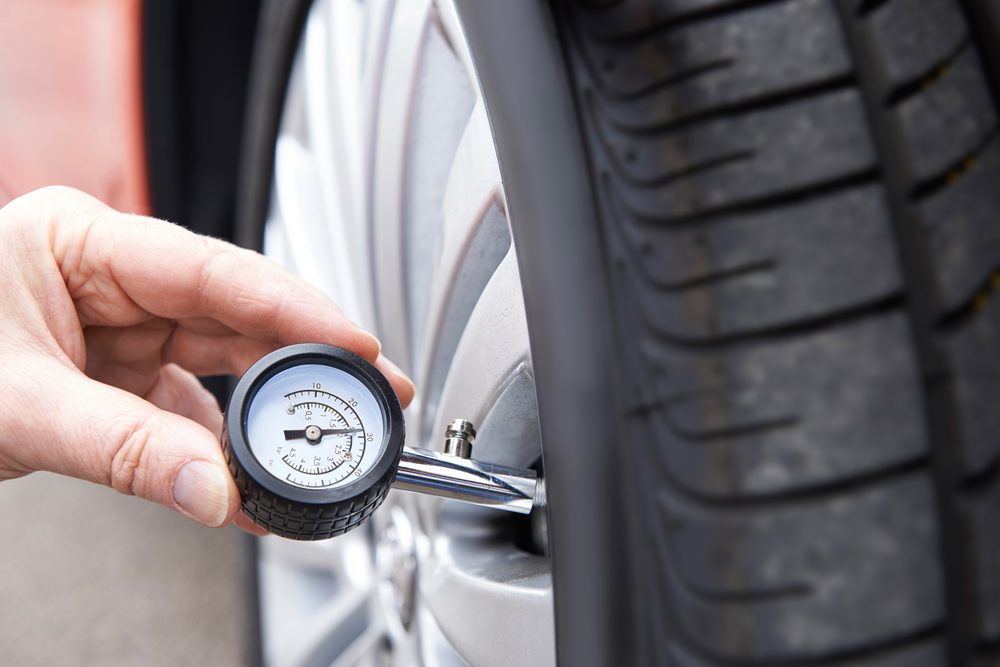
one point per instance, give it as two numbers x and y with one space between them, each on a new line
180 392
401 384
116 266
246 524
120 268
57 419
215 355
131 357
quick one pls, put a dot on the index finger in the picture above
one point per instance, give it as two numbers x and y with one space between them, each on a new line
176 274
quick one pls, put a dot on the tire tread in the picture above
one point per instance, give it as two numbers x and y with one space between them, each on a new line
780 371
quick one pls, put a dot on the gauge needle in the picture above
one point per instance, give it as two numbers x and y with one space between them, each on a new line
294 435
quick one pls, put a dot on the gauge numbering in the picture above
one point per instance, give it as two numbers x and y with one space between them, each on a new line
334 438
314 426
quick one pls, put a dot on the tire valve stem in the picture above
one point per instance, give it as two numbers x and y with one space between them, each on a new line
458 438
453 473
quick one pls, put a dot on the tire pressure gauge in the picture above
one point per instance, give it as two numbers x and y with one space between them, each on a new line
313 436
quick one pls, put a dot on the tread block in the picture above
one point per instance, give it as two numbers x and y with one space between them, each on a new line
912 37
741 273
742 160
974 356
716 63
788 414
923 654
984 518
962 223
825 591
949 120
614 20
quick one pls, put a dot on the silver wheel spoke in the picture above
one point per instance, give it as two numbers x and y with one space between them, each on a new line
316 596
331 87
512 589
362 649
318 556
399 77
493 349
513 606
452 27
474 239
330 632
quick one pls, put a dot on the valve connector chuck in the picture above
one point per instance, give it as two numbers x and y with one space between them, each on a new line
458 438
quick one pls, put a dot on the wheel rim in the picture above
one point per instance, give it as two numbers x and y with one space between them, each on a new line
432 270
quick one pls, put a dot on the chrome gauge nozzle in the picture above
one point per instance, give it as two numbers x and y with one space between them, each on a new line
453 474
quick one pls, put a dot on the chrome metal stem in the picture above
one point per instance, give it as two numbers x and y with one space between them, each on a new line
426 471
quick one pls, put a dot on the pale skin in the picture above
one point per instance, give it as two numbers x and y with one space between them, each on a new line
107 319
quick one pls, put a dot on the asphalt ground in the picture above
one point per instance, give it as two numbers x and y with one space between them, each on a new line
92 577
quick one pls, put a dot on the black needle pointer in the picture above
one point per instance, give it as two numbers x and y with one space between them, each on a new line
294 435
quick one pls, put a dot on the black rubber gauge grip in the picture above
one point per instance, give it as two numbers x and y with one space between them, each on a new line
290 510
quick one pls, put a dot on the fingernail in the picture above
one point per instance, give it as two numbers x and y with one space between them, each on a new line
394 369
201 489
378 343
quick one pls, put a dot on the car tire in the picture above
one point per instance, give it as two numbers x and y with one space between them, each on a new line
758 259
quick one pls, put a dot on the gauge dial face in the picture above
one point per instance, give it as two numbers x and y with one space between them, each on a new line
315 426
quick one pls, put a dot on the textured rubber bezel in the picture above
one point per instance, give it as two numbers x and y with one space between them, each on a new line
292 511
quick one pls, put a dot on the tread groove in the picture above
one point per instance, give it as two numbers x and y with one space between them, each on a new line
690 170
839 658
762 266
801 327
870 6
754 503
735 431
982 482
953 172
661 85
960 316
925 80
748 105
765 202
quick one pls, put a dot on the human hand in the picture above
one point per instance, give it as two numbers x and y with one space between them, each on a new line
107 318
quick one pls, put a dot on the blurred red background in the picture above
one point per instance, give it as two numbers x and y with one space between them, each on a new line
72 99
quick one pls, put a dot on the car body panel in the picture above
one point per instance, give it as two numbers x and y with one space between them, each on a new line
72 99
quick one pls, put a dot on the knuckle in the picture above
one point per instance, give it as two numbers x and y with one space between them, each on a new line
45 200
46 213
220 266
128 470
57 194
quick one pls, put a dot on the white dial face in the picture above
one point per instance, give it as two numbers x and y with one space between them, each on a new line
315 426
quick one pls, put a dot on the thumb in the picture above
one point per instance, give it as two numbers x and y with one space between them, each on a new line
69 424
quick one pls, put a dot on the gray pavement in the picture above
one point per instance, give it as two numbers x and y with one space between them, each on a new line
91 577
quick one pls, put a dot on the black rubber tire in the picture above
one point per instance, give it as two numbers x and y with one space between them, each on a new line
281 23
799 204
780 255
